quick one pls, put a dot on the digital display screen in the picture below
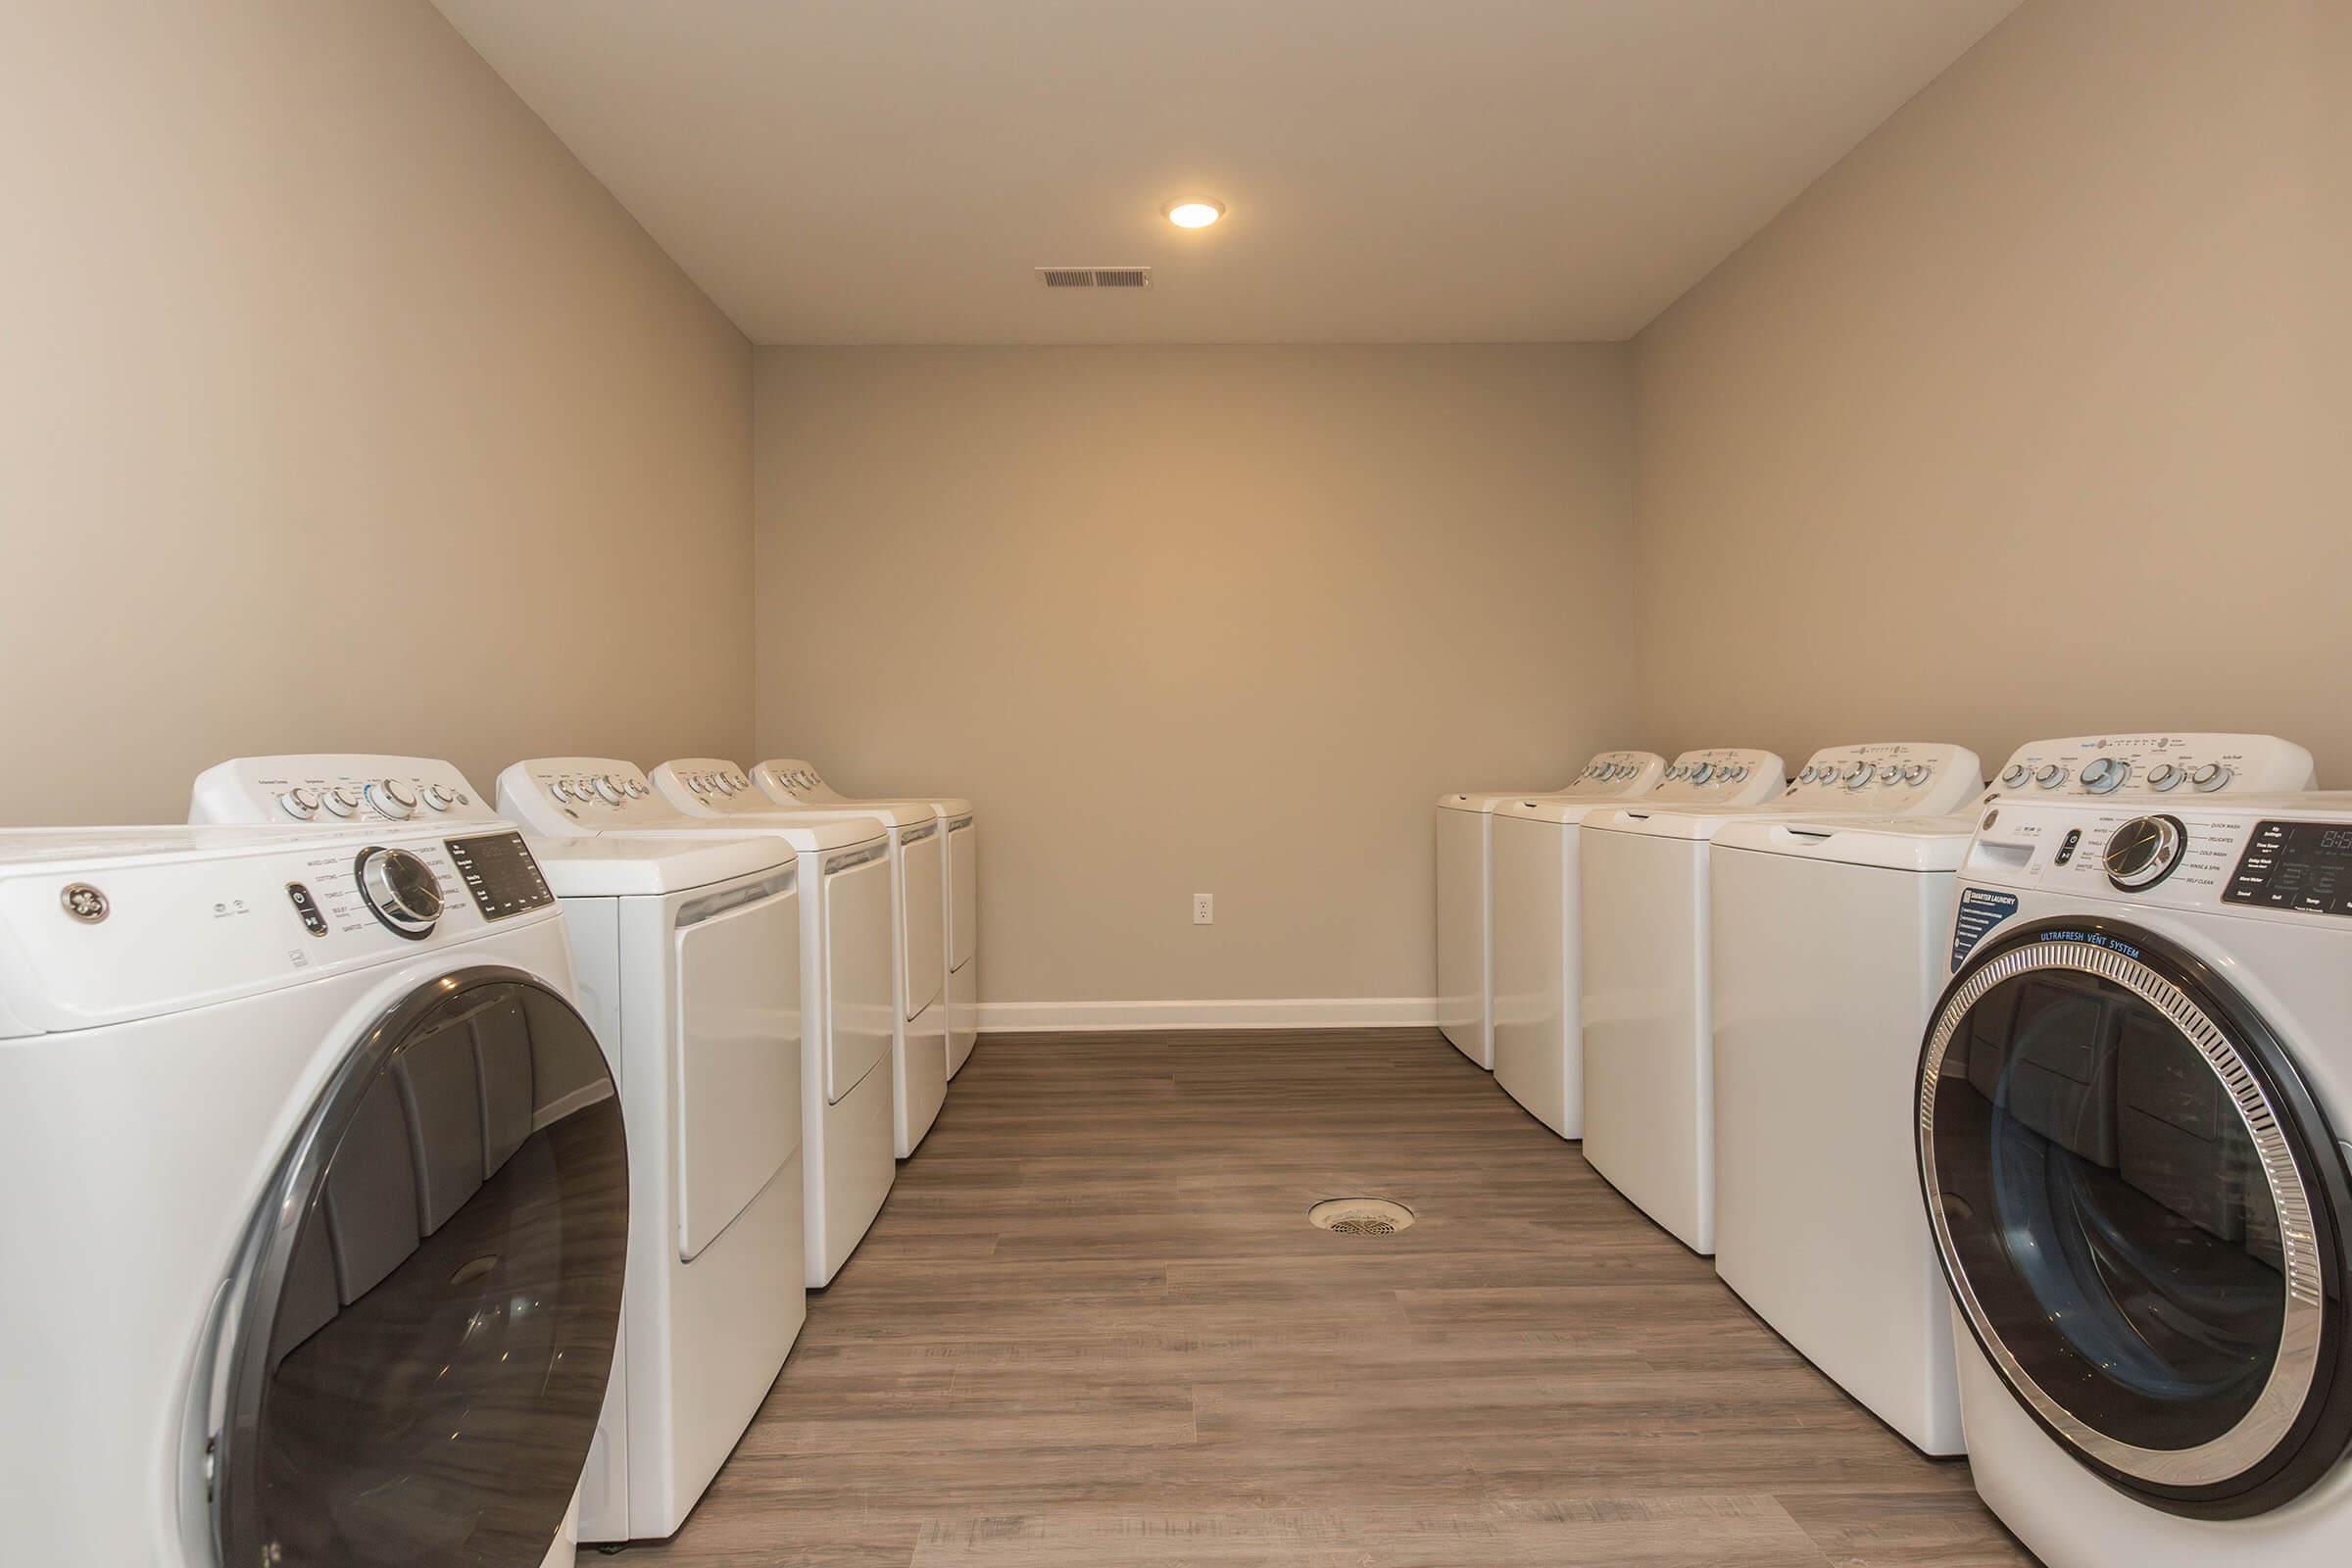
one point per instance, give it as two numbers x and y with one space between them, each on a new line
2296 865
498 870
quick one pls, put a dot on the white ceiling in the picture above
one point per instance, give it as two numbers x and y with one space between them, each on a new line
1500 170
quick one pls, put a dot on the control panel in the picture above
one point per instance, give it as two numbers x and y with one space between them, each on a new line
1618 774
498 870
101 928
565 797
2183 765
2304 865
1726 776
334 790
2266 855
1907 778
791 780
711 784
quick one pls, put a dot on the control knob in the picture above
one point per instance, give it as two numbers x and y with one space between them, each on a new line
607 790
439 799
2102 775
300 802
401 891
2144 851
1859 774
2049 775
1702 773
2163 776
2015 775
1916 774
634 789
2212 776
342 800
390 798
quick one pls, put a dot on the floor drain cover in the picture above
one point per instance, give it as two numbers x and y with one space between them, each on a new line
1360 1216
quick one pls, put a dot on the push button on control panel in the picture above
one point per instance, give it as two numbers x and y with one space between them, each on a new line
308 907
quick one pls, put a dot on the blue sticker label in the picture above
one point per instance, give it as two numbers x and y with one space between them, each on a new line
1980 911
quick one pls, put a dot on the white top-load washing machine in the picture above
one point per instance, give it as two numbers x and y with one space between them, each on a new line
1650 1081
1465 839
1537 924
673 945
316 1198
1831 938
2130 1114
714 790
841 958
793 781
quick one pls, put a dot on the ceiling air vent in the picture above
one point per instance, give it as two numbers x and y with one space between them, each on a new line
1095 276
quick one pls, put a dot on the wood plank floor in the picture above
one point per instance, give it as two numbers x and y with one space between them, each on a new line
1093 1326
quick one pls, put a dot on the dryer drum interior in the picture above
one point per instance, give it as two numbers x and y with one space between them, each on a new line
428 1296
2141 1210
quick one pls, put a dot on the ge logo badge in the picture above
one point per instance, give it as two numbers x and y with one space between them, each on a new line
83 903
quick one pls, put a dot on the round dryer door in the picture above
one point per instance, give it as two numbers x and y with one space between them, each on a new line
2140 1211
430 1293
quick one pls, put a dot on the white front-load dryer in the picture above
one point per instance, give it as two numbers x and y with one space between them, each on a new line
793 781
1465 874
2129 1120
1649 1079
1537 931
844 963
673 942
1830 937
717 791
317 1198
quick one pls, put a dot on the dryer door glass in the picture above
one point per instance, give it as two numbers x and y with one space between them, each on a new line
430 1293
2121 1171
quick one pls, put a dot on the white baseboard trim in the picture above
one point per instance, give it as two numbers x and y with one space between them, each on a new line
1282 1012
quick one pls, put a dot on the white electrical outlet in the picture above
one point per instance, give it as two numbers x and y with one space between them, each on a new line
1205 908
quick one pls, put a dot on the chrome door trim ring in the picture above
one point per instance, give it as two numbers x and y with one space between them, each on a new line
2295 1368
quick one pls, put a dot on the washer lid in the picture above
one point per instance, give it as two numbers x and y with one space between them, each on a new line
1477 801
629 865
1921 843
1688 822
1566 811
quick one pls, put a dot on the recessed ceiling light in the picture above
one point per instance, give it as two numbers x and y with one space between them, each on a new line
1196 214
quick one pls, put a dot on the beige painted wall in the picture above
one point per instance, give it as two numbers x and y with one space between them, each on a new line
1217 619
343 410
2031 416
